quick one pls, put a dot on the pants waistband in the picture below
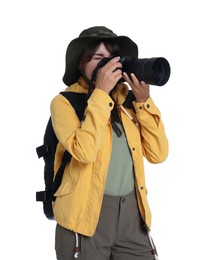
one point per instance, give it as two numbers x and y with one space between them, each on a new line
114 201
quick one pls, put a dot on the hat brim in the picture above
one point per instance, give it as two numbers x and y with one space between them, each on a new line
76 46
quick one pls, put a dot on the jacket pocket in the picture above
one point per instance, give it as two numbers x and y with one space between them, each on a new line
69 181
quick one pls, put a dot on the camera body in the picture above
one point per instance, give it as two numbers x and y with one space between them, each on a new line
153 71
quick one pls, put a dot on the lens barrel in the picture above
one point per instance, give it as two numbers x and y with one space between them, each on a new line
154 71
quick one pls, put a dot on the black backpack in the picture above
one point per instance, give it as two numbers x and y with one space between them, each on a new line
47 151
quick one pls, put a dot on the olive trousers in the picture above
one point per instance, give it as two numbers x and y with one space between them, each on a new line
120 235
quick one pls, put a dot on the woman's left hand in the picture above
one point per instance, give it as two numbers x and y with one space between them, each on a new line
140 89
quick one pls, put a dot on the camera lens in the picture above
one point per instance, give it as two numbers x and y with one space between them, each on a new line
161 71
154 71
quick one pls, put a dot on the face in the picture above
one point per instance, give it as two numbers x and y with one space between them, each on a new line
100 53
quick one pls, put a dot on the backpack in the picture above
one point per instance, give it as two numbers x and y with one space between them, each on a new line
48 150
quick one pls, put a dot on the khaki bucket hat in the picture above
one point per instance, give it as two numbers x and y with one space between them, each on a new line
87 37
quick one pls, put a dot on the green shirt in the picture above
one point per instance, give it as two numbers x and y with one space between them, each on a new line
120 178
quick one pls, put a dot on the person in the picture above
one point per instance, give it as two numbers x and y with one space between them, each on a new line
101 208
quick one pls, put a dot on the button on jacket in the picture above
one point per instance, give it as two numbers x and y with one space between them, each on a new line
79 198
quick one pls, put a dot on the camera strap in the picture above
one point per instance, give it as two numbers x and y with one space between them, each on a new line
99 65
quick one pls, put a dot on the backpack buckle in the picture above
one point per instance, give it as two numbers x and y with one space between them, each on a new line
42 150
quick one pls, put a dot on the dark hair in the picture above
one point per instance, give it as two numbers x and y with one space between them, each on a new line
88 53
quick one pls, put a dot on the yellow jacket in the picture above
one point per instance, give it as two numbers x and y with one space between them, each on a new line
79 198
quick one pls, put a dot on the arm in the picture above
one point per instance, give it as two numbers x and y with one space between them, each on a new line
82 140
154 140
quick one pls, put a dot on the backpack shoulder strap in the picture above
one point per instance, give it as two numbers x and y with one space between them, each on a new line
78 101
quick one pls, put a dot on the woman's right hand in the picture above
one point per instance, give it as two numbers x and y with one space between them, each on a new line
108 75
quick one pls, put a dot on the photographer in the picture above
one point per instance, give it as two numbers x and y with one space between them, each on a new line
101 207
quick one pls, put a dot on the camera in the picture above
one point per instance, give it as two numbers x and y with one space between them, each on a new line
153 71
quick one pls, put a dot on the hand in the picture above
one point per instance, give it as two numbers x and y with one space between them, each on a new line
140 89
108 75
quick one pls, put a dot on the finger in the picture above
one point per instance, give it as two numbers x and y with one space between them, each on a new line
112 66
115 59
118 73
112 61
116 66
134 79
144 84
126 77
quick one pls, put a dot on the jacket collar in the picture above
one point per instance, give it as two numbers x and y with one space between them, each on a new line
119 94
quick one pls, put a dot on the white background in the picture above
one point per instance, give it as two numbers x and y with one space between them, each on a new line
34 37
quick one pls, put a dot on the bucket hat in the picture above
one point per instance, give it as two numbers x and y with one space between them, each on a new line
87 37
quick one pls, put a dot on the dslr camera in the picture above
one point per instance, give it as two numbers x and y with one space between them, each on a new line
153 71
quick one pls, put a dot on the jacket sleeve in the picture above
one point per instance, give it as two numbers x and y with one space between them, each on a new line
82 139
154 140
